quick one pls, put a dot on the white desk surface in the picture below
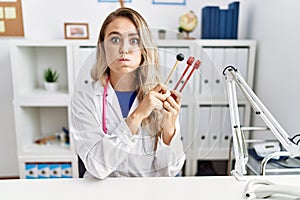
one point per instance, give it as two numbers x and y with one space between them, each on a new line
181 188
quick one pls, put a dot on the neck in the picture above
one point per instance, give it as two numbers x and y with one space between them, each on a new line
123 82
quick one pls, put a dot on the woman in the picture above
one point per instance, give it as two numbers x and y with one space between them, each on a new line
125 123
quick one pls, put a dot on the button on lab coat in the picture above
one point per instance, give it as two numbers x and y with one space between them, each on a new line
118 153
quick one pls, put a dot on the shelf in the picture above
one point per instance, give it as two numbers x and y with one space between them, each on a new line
29 63
41 97
48 149
38 122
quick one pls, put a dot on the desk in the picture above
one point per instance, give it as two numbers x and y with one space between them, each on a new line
173 188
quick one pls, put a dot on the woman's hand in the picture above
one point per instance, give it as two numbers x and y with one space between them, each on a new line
171 108
154 100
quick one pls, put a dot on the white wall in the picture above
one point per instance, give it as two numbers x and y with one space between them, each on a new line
274 24
266 21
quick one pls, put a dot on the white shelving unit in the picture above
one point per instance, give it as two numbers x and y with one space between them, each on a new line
204 117
39 113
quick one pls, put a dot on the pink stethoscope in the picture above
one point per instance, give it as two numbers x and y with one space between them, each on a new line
104 126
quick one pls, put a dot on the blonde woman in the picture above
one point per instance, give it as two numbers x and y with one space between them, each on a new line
125 123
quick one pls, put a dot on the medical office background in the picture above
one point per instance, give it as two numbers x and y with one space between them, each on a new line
274 25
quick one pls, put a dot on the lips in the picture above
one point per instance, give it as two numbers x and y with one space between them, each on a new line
123 59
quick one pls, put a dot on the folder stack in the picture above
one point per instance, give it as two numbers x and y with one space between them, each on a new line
220 23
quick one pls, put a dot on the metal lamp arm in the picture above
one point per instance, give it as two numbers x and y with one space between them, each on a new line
233 77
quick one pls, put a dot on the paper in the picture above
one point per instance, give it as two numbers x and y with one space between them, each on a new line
1 13
5 1
2 27
10 12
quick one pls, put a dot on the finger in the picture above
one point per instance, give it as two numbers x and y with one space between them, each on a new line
160 88
178 96
158 105
167 106
173 104
158 95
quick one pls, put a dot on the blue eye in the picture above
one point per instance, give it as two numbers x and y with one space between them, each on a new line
115 40
134 41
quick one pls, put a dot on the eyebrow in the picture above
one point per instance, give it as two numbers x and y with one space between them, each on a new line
118 33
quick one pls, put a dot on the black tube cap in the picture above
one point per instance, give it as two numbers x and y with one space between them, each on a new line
180 57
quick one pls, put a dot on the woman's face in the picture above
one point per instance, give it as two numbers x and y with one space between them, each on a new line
122 46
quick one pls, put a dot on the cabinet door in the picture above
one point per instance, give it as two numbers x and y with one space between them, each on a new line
213 82
214 130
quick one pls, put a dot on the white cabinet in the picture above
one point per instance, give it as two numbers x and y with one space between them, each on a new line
204 117
40 114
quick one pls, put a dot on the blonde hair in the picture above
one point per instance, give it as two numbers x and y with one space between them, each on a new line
147 75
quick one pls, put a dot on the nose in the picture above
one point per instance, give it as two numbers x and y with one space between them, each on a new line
125 47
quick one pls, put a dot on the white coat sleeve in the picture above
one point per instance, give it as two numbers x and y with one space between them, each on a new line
101 153
169 159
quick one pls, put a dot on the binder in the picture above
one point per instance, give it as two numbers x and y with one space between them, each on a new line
234 6
206 72
31 171
218 86
226 129
222 23
55 170
229 24
203 128
215 22
184 126
219 23
66 170
206 22
43 170
215 127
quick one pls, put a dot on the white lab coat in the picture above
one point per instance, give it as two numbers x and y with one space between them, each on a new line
118 153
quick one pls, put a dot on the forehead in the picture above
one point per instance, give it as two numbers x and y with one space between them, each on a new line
121 25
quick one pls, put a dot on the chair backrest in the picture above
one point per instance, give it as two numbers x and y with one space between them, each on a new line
81 168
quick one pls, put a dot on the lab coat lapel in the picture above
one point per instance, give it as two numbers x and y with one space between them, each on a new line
135 104
113 101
